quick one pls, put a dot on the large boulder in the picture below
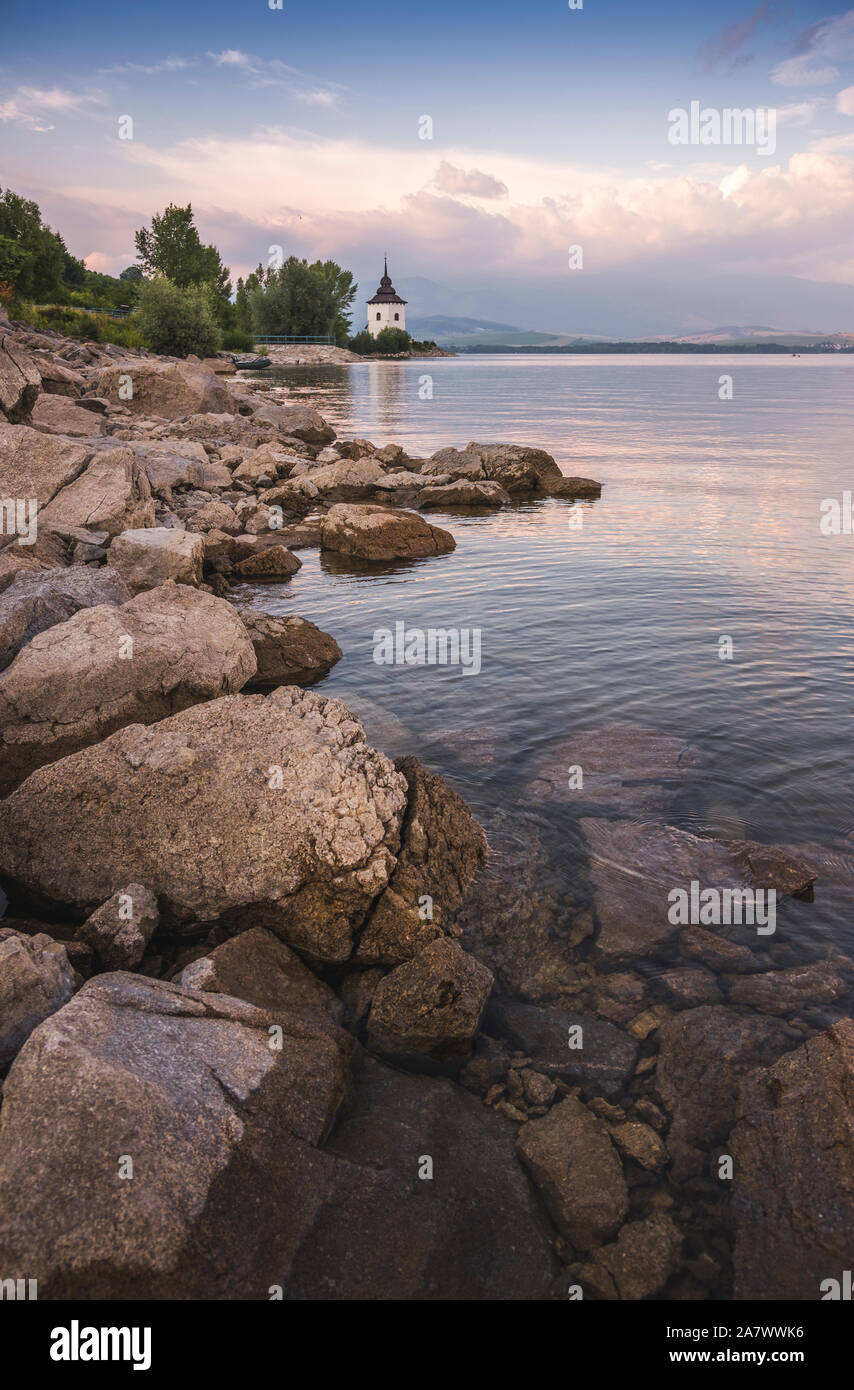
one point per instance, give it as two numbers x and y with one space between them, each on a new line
347 481
176 1142
36 465
517 467
249 810
703 1054
32 603
426 1012
376 533
170 389
20 380
60 415
793 1188
297 421
110 666
270 564
149 556
36 979
574 1164
289 650
112 494
574 488
442 846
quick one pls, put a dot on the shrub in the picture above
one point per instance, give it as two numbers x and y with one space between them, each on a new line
234 340
177 321
362 343
392 340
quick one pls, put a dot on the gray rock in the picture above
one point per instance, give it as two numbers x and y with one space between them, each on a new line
32 603
120 929
427 1011
148 556
603 1063
36 979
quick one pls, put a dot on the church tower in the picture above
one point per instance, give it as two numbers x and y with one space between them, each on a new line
386 309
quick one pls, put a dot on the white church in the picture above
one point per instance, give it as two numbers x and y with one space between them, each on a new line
386 309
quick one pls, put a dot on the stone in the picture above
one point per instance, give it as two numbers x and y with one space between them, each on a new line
428 1010
638 1264
112 494
633 868
60 415
271 565
717 952
260 969
109 666
36 979
15 560
703 1054
441 848
244 811
691 986
769 866
222 1129
793 1186
574 488
32 603
166 388
577 1169
120 929
217 516
579 1048
289 650
445 496
626 767
784 991
517 467
641 1144
148 556
33 464
20 380
376 533
387 1233
298 421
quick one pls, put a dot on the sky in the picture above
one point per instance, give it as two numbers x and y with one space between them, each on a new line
547 128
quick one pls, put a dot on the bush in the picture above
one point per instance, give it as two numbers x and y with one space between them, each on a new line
177 321
236 341
392 340
362 343
98 328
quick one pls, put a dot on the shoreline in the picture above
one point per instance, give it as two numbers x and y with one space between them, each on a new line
599 1056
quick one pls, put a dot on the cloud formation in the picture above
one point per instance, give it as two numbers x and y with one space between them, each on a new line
469 183
818 50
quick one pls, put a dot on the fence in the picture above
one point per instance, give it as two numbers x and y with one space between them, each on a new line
271 339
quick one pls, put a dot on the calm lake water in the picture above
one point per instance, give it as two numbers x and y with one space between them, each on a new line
708 526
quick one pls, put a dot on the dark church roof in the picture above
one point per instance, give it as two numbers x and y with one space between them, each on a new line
386 294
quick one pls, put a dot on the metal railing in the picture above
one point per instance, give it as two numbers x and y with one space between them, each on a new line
271 339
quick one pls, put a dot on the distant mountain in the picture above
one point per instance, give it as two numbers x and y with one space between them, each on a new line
444 324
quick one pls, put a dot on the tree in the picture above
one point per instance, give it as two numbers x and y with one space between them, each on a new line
171 246
392 340
301 300
132 273
40 255
178 320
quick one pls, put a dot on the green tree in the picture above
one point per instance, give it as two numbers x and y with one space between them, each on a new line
301 300
41 253
171 246
133 273
177 320
392 340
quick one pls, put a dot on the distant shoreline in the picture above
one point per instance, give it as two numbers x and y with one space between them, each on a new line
621 349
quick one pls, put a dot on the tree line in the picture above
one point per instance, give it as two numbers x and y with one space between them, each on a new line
179 295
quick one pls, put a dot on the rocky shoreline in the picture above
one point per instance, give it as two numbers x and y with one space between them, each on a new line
275 1018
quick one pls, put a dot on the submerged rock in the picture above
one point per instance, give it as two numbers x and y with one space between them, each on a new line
639 1262
793 1189
574 1164
582 1049
622 766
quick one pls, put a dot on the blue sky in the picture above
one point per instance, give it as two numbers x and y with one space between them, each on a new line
300 127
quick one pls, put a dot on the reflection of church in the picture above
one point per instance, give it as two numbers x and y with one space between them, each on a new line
386 309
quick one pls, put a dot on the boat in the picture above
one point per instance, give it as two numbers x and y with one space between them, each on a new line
250 364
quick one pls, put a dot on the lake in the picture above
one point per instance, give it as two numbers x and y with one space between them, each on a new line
708 527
